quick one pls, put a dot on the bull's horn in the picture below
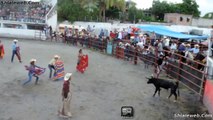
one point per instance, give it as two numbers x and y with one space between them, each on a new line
147 78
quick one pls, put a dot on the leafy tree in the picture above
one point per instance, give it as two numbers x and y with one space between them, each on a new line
69 10
187 7
113 13
208 15
106 4
190 7
160 8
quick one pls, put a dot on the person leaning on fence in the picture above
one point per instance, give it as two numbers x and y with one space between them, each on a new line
159 65
173 47
160 46
196 49
182 47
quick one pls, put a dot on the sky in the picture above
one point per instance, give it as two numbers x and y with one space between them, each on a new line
205 6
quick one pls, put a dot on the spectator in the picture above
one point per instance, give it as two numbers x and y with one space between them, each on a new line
182 47
173 47
129 32
166 42
153 38
101 33
196 49
160 47
120 35
188 47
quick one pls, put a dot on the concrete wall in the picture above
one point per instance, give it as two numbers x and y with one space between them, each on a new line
17 33
175 18
201 22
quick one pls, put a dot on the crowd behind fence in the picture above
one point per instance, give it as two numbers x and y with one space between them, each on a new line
188 71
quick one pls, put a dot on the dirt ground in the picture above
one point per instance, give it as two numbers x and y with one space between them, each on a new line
98 94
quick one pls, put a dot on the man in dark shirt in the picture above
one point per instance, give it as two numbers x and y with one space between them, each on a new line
212 48
159 65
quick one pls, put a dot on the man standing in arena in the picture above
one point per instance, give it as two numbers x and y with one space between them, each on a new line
16 51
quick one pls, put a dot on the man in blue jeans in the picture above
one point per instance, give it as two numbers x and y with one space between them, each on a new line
51 65
32 72
16 51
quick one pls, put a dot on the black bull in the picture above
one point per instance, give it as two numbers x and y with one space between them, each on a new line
160 83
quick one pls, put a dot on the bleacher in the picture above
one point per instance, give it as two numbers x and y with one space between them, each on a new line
25 13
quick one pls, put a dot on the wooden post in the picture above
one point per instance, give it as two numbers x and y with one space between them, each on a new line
135 56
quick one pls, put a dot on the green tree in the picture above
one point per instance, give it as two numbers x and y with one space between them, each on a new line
106 4
208 15
69 10
134 14
190 7
88 5
160 8
186 7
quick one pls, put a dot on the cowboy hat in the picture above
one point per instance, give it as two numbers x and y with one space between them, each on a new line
56 56
15 40
132 37
197 45
67 76
33 60
188 45
127 44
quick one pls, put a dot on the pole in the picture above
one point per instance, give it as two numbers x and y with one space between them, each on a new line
134 19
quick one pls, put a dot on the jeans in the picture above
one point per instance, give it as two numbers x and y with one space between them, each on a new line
30 75
15 53
51 67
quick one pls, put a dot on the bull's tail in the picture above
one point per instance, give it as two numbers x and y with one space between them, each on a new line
177 85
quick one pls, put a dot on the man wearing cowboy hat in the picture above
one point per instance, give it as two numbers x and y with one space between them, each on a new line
16 51
32 71
196 49
51 65
65 110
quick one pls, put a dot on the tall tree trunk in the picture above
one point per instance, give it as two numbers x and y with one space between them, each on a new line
104 15
100 14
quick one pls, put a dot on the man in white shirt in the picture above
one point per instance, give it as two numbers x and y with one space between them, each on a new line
51 65
120 35
167 40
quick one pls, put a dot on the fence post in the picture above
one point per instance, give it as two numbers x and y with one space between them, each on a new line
135 56
203 83
179 67
156 60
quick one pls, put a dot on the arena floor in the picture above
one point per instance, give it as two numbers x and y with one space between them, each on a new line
98 94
